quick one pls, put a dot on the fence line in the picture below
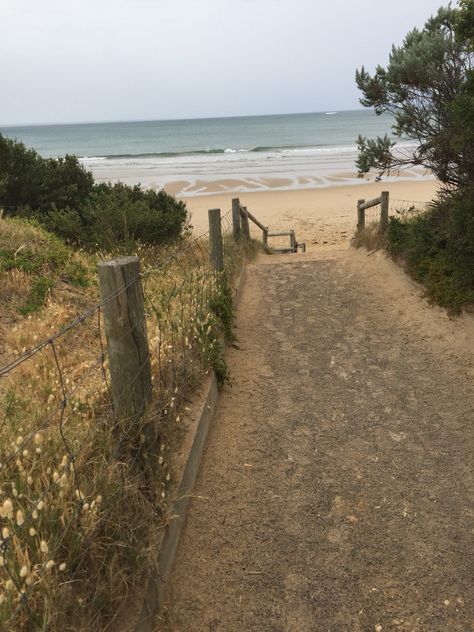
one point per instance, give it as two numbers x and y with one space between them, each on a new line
76 458
241 218
378 210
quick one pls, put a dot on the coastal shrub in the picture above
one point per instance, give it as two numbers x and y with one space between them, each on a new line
61 195
425 86
437 249
28 180
123 215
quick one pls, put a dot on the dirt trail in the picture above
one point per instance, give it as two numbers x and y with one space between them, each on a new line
336 488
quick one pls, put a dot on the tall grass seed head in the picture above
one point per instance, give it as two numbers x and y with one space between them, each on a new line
6 510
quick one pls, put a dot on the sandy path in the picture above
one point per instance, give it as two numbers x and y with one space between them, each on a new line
336 488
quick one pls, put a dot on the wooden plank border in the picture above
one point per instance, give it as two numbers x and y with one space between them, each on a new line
158 583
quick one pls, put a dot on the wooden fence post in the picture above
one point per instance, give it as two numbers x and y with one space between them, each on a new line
245 223
215 239
265 237
360 215
127 340
384 211
236 219
293 241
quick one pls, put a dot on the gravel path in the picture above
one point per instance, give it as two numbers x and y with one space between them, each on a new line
336 488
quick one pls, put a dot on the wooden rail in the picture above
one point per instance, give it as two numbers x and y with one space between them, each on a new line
240 222
363 205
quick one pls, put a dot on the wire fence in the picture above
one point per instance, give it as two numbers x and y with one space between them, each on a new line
407 208
404 209
82 491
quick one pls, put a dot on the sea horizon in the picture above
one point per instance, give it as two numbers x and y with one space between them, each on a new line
186 118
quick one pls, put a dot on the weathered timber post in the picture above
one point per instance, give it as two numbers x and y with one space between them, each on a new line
360 215
384 211
236 219
215 239
265 237
292 240
127 340
245 223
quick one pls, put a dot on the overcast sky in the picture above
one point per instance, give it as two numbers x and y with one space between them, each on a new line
104 60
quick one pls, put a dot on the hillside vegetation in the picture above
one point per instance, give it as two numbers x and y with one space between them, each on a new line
34 264
84 496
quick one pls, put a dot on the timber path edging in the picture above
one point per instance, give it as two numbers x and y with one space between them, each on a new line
158 583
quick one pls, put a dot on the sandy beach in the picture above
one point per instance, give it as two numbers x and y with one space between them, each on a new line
321 217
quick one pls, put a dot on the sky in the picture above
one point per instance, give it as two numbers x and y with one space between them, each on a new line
117 60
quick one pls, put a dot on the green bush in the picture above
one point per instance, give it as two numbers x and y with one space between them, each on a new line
122 215
438 249
27 179
62 196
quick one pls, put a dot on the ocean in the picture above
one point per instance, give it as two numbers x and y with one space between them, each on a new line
215 155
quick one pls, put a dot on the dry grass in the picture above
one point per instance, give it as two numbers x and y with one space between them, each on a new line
83 496
369 238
